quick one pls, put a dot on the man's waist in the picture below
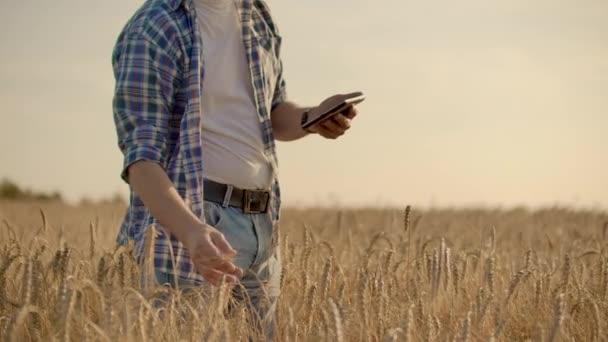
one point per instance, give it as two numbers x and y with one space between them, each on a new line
240 165
250 201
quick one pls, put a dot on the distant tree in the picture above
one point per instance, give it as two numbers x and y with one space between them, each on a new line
85 202
56 196
10 190
117 199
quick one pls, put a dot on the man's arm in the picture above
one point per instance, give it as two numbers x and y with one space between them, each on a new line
287 116
286 119
210 251
146 77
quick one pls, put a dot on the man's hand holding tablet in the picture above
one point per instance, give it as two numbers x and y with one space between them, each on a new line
331 119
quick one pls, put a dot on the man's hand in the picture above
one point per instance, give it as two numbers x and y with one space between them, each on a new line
210 252
212 255
338 124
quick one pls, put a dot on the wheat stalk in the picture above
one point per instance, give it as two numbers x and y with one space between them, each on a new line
408 327
310 307
605 281
360 291
28 275
19 321
326 278
465 332
489 275
566 271
69 311
149 240
560 308
92 240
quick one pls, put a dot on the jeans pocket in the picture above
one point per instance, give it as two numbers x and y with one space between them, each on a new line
238 229
214 213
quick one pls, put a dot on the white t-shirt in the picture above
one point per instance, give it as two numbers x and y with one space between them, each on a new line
233 147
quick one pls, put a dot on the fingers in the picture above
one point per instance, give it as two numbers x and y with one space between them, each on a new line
327 132
214 277
213 271
212 256
342 121
338 124
222 266
332 126
351 112
222 245
228 253
223 262
215 268
214 265
229 268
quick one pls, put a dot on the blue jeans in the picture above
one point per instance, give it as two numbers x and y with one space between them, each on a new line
251 236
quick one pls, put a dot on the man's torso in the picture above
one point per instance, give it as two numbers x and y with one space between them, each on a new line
171 24
233 146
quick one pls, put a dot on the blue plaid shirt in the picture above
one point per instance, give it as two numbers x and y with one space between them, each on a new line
159 71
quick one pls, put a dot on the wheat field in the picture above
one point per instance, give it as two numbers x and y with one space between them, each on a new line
348 275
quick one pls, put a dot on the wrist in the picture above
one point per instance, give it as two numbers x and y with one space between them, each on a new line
185 231
304 119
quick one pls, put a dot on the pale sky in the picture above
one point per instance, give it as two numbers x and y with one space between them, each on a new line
470 102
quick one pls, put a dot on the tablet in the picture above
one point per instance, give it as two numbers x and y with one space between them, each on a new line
342 107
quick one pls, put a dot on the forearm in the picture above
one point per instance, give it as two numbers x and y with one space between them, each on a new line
151 183
286 119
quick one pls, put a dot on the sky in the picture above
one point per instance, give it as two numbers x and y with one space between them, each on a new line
469 103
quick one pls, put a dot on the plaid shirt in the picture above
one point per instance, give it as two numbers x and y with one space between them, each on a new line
159 71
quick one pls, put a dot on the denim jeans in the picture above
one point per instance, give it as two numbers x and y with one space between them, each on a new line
250 235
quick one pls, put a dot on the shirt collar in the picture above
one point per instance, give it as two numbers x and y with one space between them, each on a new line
245 7
176 3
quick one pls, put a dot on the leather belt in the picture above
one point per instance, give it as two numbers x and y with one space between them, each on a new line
250 201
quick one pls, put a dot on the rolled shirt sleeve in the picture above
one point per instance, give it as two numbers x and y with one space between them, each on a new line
280 92
146 80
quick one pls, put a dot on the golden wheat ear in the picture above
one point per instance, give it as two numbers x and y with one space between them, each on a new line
149 277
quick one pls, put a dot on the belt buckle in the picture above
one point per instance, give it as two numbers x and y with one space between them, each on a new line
251 198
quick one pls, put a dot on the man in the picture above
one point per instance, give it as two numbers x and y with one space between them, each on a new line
199 101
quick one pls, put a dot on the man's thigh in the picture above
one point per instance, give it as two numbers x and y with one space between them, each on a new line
259 291
251 236
239 231
260 286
